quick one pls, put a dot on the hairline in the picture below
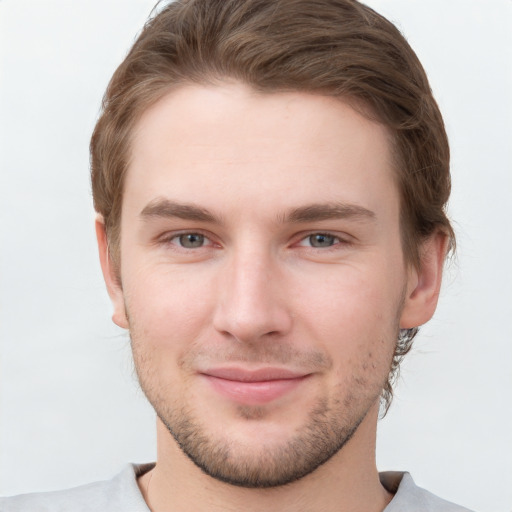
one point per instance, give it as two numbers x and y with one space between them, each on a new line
358 104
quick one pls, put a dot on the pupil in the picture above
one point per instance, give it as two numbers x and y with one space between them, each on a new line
321 240
192 240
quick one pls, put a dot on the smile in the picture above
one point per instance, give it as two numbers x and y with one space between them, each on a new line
253 387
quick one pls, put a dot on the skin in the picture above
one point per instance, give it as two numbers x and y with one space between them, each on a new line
262 231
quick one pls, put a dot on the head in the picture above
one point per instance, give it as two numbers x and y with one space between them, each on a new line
339 50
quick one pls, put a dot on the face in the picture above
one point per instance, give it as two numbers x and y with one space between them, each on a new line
263 281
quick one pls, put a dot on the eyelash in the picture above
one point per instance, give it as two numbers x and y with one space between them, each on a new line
337 240
170 240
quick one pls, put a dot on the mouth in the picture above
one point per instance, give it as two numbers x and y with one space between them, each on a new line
254 387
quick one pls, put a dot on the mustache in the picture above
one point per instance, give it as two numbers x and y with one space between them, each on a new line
262 353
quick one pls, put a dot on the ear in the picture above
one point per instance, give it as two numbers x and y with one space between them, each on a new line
112 281
424 283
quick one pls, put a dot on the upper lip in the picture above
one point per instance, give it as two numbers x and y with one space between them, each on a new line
253 375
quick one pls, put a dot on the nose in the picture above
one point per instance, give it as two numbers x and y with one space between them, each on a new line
252 298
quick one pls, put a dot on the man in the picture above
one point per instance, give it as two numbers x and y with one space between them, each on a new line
270 179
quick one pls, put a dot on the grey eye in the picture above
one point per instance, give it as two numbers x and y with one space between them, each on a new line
191 240
321 240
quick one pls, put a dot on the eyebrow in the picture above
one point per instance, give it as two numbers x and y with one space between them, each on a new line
328 211
166 208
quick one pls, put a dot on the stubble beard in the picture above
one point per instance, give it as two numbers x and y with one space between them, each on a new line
274 466
330 425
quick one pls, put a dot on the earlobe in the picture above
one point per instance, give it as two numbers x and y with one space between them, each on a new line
424 284
114 288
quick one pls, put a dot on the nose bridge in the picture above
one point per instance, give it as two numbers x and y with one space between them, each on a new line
251 299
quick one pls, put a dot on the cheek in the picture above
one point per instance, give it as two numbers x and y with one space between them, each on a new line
166 309
165 321
348 300
354 316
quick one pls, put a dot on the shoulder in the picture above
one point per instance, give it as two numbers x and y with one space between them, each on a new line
118 494
411 498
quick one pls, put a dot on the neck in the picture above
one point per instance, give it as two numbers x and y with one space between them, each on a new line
349 481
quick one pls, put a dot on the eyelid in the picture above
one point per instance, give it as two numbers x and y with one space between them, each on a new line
170 236
341 238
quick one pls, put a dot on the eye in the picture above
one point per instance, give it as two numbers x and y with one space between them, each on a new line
190 240
319 240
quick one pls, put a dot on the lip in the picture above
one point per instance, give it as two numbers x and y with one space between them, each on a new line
254 387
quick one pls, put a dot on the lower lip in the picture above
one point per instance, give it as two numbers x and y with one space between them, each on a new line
254 393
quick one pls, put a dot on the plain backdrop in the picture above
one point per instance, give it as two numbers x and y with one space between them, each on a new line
70 407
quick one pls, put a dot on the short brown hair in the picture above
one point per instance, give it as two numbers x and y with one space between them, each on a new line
339 48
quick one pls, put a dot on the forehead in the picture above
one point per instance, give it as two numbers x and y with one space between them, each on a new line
230 146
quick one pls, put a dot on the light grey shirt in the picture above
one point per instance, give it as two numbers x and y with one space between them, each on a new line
122 494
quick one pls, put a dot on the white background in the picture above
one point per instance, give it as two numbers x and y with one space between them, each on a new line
70 408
